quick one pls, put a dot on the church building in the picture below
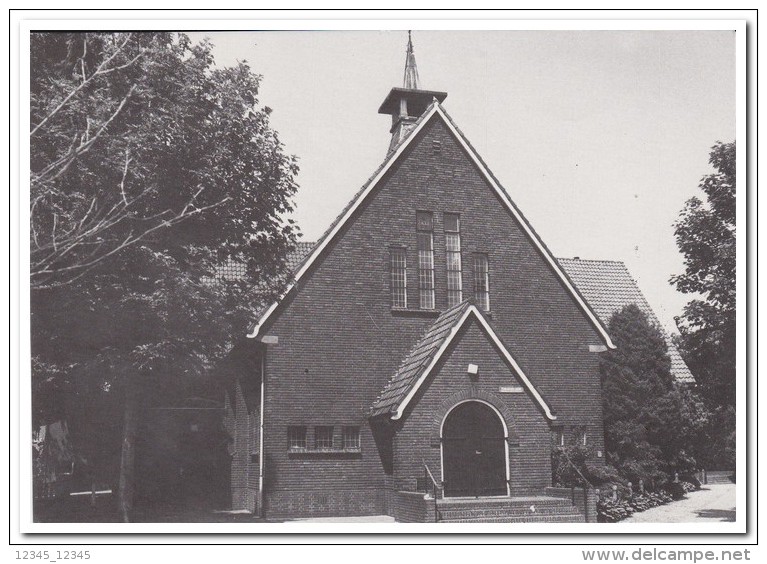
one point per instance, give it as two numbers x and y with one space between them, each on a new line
428 355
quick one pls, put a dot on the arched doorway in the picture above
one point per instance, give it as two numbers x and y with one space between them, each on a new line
474 452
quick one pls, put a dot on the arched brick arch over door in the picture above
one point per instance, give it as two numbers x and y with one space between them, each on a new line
474 429
496 402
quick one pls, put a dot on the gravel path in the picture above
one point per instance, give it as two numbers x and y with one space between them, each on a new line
714 502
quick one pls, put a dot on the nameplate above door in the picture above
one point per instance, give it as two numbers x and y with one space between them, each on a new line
510 389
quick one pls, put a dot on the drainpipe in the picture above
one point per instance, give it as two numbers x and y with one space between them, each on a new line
261 442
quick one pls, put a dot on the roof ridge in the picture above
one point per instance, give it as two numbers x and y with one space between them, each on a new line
578 259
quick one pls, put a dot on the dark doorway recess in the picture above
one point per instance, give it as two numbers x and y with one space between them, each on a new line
474 451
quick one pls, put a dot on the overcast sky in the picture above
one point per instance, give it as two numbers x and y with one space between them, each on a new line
598 136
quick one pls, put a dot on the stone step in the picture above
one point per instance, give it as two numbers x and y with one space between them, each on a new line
452 516
521 519
522 504
719 477
719 480
509 510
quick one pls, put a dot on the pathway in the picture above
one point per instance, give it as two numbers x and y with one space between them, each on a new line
714 502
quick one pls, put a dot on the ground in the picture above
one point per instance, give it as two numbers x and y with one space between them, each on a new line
713 503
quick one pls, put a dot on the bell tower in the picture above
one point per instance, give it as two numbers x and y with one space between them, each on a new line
405 105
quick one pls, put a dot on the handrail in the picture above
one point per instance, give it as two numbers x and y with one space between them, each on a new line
571 463
436 489
435 485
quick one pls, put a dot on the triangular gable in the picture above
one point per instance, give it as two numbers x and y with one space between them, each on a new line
420 362
436 109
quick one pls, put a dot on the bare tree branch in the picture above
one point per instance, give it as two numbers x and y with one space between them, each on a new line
100 70
80 269
58 167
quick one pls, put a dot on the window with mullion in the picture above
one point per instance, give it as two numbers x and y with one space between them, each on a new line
398 278
481 282
297 437
453 259
351 437
323 437
425 236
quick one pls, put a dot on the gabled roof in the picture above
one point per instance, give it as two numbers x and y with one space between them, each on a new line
417 365
299 254
609 287
435 109
232 269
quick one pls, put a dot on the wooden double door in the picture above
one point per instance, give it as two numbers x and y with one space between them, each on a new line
474 451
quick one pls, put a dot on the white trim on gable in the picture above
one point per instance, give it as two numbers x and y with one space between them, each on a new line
530 233
339 225
436 108
472 310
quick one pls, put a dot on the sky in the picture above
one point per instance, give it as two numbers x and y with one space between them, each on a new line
598 136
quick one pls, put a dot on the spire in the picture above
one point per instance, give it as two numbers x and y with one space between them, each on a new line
406 104
411 70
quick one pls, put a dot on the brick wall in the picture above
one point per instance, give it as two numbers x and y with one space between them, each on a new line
411 507
418 439
585 499
242 426
340 342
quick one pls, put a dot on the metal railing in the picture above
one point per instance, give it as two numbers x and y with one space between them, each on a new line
433 488
586 483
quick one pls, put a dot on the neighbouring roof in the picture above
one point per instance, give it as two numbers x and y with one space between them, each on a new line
609 287
435 109
297 255
418 363
231 269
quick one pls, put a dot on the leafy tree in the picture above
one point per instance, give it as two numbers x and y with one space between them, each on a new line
150 168
705 234
651 426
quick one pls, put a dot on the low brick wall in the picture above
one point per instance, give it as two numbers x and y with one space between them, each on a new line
325 503
584 499
245 499
412 507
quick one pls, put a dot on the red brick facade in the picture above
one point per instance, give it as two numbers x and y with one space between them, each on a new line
340 341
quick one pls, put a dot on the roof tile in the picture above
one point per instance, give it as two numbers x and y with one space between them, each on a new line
608 287
417 361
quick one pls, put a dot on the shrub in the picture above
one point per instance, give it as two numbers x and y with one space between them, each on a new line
609 511
692 479
675 490
688 487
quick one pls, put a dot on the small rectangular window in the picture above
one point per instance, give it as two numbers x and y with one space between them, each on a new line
399 278
481 282
558 437
453 259
424 221
323 437
297 436
425 228
351 437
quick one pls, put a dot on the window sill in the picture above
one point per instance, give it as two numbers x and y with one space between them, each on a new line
320 452
411 312
408 312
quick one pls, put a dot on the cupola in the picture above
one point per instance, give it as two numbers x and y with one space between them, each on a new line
405 105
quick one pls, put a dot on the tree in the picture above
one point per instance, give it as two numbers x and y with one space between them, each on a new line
651 426
150 168
705 234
